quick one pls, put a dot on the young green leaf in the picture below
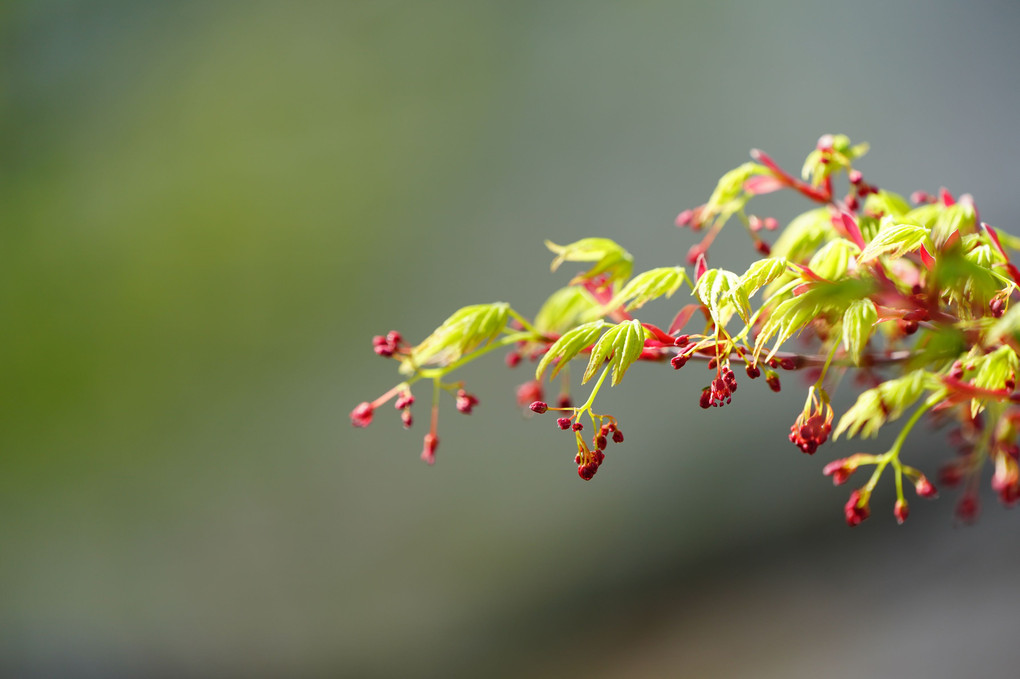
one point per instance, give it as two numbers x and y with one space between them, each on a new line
565 308
467 329
894 240
858 324
884 403
833 259
622 345
569 345
761 273
713 290
886 203
648 286
804 235
609 258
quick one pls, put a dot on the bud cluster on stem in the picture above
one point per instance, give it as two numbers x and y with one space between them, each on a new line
912 298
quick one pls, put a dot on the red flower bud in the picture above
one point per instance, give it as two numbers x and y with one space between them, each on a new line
529 392
967 508
856 509
763 248
682 341
600 442
428 452
361 416
563 422
773 381
924 488
678 361
466 402
617 436
577 426
901 511
407 419
539 407
513 359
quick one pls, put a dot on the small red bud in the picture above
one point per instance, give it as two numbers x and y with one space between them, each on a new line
685 218
997 306
854 176
678 361
924 488
967 508
428 452
752 371
682 341
856 509
393 337
513 359
529 392
407 419
617 436
773 381
361 416
577 426
706 399
763 248
563 422
600 442
901 511
539 407
771 224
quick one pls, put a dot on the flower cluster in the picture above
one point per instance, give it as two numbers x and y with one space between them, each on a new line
812 427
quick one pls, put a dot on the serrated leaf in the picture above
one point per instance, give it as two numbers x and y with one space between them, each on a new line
803 235
991 372
886 203
713 290
467 329
894 240
622 345
794 314
569 345
761 273
565 308
884 403
858 324
833 259
649 285
609 257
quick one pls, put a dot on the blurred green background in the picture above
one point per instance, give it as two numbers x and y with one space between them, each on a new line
208 208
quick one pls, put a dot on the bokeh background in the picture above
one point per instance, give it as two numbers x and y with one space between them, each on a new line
208 208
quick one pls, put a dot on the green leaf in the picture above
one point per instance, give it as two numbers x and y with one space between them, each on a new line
609 258
565 309
467 329
894 240
858 324
884 403
713 290
833 260
794 314
622 345
991 372
886 203
804 235
569 345
648 286
761 273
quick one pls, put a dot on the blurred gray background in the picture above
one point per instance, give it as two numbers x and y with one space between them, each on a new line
207 211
